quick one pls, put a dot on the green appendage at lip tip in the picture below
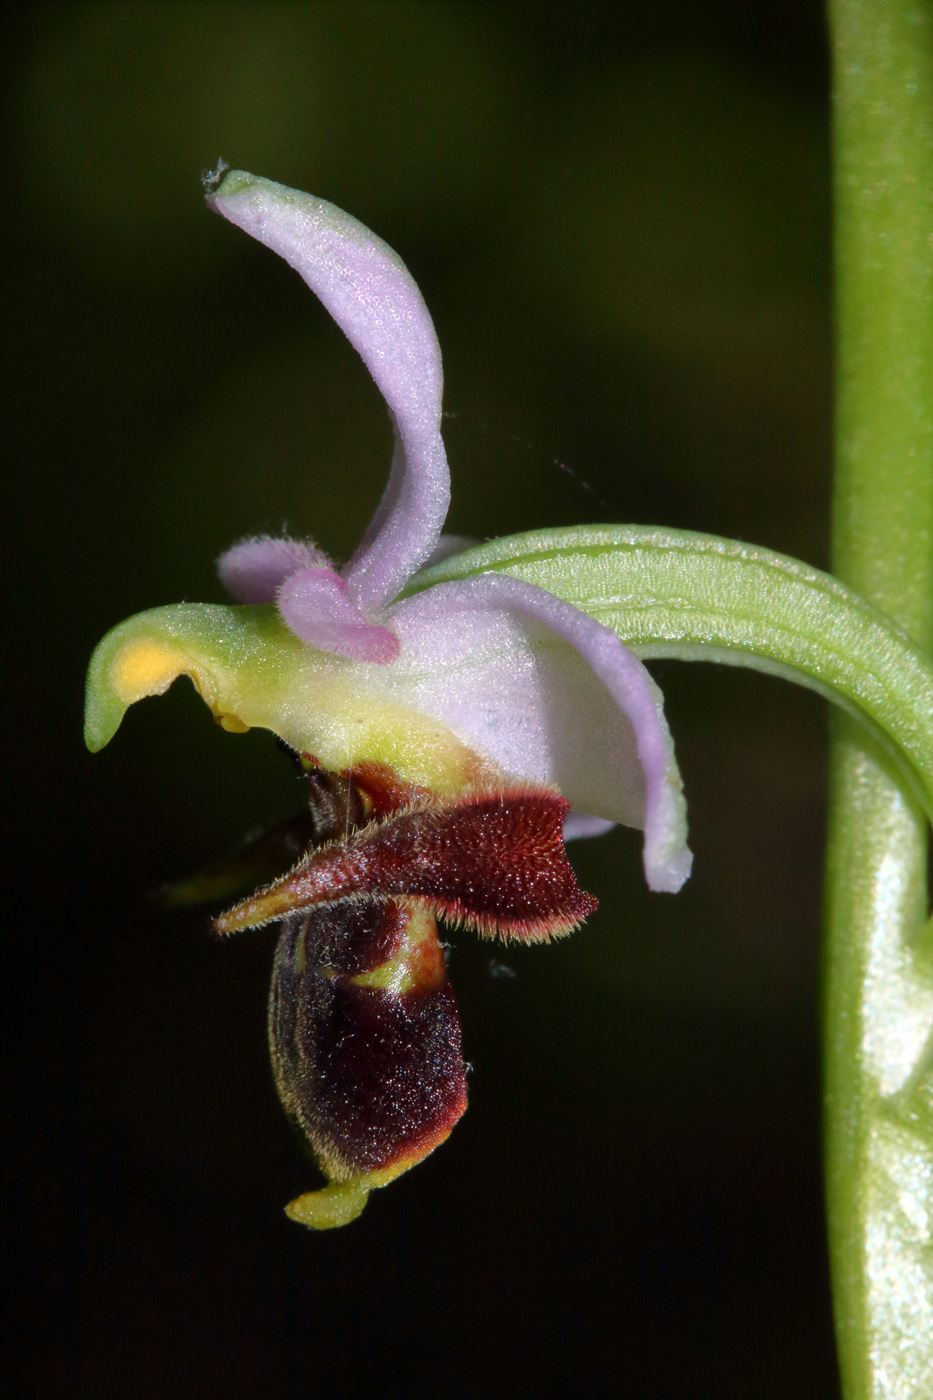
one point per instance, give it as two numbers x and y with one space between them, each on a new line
333 1206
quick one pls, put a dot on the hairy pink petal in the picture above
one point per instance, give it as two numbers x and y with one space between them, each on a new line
487 656
373 298
316 606
254 570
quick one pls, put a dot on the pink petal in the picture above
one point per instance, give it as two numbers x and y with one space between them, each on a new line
254 570
315 605
490 657
373 298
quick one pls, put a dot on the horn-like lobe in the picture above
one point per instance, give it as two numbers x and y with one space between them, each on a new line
493 861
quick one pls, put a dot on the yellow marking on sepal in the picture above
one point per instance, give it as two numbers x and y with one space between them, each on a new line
144 667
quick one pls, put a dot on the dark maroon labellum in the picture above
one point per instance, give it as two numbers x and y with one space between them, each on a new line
372 1076
363 1026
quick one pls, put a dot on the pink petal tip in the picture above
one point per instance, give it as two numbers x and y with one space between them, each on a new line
315 605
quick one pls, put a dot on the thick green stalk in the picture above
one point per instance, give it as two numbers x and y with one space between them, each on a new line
879 947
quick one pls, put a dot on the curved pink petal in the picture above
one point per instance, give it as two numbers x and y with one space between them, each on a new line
549 694
315 605
373 298
254 570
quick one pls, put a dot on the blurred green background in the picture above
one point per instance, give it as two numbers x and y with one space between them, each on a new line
619 217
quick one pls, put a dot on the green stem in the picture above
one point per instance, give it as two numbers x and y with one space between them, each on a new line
879 950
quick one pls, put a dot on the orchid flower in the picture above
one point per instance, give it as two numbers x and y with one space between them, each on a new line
465 681
456 716
470 715
525 681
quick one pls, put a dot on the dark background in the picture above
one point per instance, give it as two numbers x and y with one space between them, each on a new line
619 217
